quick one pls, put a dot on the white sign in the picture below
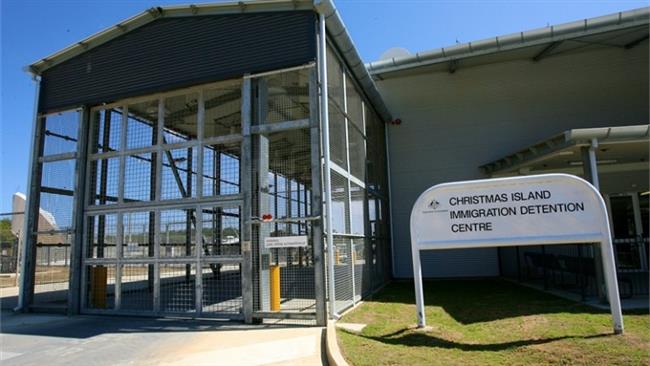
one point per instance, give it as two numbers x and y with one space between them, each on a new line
285 242
513 211
527 210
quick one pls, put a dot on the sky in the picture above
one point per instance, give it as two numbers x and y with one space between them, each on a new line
31 30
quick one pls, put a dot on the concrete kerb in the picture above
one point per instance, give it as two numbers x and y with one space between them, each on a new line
334 356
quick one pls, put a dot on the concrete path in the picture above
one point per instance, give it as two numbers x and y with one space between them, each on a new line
37 339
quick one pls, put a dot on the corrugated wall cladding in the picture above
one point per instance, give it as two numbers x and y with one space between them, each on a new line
454 123
170 53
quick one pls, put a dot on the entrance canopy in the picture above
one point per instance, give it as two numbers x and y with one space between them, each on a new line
615 150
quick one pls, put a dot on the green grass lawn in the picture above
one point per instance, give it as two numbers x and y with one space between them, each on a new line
489 322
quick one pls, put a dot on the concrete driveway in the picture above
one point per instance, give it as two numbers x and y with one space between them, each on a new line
50 340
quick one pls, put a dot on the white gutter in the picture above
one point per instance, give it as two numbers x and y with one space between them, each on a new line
535 37
341 38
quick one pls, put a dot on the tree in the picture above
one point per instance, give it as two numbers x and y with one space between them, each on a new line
6 236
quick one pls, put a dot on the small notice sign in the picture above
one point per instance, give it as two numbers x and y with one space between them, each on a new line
285 242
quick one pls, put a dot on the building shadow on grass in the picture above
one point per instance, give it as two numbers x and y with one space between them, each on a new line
482 300
405 337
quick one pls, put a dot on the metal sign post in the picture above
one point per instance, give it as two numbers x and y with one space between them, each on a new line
529 210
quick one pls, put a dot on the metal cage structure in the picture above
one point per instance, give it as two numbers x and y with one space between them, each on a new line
160 203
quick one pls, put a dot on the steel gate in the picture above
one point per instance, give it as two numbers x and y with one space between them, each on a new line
177 185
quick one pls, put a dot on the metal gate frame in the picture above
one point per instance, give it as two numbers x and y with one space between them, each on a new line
156 206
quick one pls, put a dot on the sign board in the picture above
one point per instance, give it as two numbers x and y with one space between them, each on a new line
528 210
285 242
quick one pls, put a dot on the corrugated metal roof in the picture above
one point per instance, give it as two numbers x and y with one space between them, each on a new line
335 28
537 40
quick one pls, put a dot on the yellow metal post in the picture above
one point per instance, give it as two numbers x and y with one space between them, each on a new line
99 277
275 287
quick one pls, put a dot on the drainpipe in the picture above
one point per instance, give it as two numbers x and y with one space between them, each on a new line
593 167
390 206
327 176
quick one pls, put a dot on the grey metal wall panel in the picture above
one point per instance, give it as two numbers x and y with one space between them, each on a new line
453 123
176 52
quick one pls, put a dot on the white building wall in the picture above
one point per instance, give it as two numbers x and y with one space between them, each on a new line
454 123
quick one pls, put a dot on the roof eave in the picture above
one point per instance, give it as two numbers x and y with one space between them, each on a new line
579 137
154 13
622 20
339 35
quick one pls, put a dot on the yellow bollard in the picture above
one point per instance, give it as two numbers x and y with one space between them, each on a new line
99 276
338 257
275 287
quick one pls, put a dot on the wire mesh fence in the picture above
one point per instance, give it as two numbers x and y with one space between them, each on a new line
163 226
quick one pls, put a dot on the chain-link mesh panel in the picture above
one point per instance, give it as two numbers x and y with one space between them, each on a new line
57 194
282 185
221 231
377 179
357 151
222 109
107 130
222 293
180 118
104 181
102 235
52 270
221 169
357 209
138 238
100 287
362 269
287 96
142 124
139 185
177 233
340 204
61 133
137 287
179 170
343 284
177 288
334 78
338 150
353 104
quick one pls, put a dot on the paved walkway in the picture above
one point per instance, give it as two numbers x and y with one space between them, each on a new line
38 339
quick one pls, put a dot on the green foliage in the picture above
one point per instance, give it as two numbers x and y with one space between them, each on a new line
6 236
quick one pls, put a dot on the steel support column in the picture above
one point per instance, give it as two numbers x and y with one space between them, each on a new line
74 289
590 171
327 175
262 159
28 253
246 190
316 202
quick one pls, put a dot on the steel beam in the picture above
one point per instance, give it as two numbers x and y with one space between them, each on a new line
636 42
546 51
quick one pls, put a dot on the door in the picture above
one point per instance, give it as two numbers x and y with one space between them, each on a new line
629 218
